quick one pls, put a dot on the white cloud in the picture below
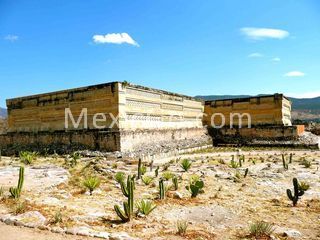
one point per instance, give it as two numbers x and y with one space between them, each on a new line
275 59
115 38
255 55
11 38
263 33
304 95
294 74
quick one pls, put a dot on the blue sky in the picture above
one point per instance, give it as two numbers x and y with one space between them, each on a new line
191 47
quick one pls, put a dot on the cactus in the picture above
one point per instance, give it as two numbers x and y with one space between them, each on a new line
246 173
139 169
0 155
195 188
240 162
127 191
290 158
16 191
156 172
285 165
297 192
175 183
162 191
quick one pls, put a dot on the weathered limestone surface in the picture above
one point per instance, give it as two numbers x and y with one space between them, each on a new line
263 110
135 115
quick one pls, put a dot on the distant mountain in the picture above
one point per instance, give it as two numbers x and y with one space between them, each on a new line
3 113
302 108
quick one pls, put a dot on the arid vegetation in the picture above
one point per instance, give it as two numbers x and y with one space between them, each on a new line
216 193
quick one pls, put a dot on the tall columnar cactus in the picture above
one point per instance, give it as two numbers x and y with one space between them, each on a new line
246 172
162 191
240 162
290 158
285 165
16 191
139 169
127 190
175 183
156 172
297 192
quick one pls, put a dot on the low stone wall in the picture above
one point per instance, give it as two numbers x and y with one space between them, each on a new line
60 141
133 140
109 141
247 135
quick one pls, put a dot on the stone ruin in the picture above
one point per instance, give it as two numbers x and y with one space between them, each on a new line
119 116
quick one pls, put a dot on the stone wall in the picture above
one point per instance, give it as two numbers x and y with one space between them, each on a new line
263 110
147 108
60 141
46 112
138 139
245 135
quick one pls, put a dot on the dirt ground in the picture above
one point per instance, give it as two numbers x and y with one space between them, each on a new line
17 233
229 205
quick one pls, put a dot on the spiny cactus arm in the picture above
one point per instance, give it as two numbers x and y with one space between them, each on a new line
121 214
139 169
161 188
21 178
289 194
124 189
130 197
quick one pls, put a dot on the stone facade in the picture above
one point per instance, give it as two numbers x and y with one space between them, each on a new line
133 116
272 110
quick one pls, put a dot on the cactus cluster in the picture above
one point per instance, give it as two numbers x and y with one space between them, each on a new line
127 190
297 192
195 188
16 191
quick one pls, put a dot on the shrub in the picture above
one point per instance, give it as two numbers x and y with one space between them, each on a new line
194 178
1 191
167 175
221 161
261 229
145 207
185 164
181 227
28 157
304 186
57 218
306 163
234 164
19 208
119 177
91 183
147 179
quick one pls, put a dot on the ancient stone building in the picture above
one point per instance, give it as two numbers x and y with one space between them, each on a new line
245 120
119 116
273 110
112 116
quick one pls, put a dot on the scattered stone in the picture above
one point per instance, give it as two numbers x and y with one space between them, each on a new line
121 236
177 195
292 233
32 219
